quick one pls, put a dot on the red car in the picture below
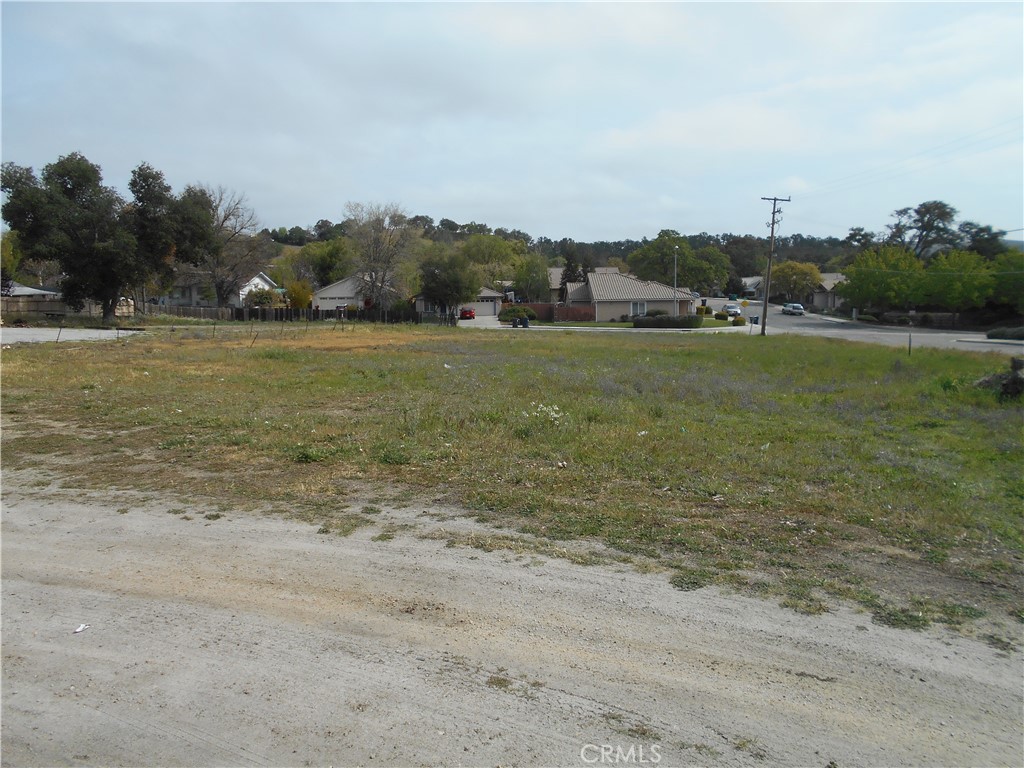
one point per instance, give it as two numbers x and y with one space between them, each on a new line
467 314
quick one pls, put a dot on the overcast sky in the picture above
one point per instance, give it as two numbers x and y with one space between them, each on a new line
595 121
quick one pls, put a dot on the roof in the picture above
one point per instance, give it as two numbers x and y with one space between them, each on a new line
347 287
578 292
17 289
752 283
830 280
555 278
615 286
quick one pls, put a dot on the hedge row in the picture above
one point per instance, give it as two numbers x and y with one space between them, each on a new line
667 321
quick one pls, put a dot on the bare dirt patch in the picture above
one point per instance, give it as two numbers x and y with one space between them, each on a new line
254 640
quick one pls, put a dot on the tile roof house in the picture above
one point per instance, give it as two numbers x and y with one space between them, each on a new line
614 295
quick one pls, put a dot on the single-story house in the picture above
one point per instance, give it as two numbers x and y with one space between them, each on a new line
486 304
614 295
753 287
825 296
259 282
342 293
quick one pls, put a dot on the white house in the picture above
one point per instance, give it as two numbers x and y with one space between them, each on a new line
260 281
340 294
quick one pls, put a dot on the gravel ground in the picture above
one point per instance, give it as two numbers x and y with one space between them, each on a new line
252 640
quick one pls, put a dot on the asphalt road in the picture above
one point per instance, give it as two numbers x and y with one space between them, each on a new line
818 325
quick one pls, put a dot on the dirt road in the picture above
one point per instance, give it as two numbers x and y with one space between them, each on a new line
251 640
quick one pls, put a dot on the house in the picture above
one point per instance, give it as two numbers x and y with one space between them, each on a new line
486 304
259 282
825 296
753 287
613 295
193 288
343 293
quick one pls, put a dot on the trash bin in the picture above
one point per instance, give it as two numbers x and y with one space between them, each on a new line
515 322
526 322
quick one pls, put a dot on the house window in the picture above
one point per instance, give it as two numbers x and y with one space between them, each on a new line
638 308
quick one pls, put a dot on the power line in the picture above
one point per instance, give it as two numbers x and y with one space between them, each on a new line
977 142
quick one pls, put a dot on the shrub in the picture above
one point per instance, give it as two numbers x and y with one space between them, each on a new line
1013 334
516 311
656 312
721 316
739 320
667 321
867 318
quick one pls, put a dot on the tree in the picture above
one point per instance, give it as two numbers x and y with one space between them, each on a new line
238 249
883 277
748 254
924 229
169 231
670 260
10 260
69 215
494 256
299 294
984 241
957 280
860 238
448 279
1008 272
323 263
531 280
382 239
261 297
795 280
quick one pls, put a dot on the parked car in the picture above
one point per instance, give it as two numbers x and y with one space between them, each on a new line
467 314
732 310
792 309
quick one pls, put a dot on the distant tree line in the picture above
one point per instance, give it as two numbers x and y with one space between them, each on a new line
70 229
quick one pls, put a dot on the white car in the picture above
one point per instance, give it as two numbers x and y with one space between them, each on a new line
792 309
732 310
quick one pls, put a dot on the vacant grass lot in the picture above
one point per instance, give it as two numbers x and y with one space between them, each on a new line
814 471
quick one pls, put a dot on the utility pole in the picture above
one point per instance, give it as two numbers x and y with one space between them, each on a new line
771 253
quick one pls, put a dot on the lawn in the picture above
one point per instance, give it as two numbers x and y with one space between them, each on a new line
815 472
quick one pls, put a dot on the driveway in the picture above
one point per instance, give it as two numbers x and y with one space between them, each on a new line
36 335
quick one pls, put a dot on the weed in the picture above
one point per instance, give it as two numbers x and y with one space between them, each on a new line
499 681
1000 643
213 516
643 731
901 618
752 747
689 579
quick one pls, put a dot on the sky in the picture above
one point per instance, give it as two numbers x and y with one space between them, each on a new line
592 121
